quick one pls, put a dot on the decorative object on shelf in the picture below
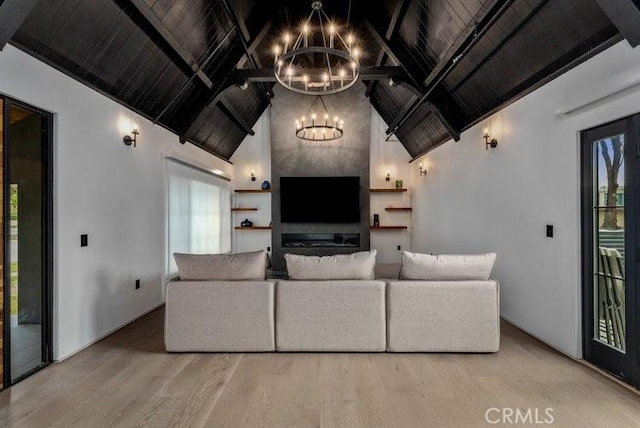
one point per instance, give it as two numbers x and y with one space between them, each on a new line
398 184
253 175
265 185
135 131
421 170
486 134
388 176
246 223
318 125
376 220
319 63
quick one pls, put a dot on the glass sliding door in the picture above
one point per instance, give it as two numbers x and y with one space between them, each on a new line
27 226
609 222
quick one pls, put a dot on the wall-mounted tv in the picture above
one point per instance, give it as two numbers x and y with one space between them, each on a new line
320 199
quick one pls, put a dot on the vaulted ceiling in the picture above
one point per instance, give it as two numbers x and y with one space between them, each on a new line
176 62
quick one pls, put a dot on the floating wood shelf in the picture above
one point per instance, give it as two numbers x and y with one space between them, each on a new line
398 209
243 209
387 190
252 191
253 228
388 227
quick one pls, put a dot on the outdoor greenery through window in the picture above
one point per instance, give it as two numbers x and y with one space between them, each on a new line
199 213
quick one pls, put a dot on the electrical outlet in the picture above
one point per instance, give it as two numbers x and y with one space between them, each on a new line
84 240
137 284
399 247
549 231
268 248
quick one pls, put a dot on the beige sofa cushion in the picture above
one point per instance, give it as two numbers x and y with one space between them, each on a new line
207 267
446 267
443 316
341 266
343 316
219 316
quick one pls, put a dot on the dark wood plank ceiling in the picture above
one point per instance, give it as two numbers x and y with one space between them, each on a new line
172 61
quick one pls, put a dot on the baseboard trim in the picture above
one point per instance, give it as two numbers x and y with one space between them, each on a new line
110 332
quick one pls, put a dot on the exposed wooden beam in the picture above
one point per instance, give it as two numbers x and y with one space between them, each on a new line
235 117
486 16
163 38
366 73
474 31
245 38
221 76
625 14
12 15
205 63
502 42
396 19
416 72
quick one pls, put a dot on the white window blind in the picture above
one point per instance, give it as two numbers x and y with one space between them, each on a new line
199 213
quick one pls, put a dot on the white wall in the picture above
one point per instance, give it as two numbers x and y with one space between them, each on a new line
114 193
389 156
254 154
500 200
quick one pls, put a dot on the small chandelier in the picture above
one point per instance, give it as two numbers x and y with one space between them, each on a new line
318 125
320 63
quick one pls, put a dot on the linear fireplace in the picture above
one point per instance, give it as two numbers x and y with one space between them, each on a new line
320 240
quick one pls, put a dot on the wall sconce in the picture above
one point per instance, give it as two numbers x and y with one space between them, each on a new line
388 176
493 143
127 139
421 170
253 175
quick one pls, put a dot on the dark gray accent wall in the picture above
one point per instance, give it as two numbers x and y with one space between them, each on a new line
292 157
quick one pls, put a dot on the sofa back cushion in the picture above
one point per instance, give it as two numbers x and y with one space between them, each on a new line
446 267
341 266
216 267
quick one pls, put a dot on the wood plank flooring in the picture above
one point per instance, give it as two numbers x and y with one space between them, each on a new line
127 380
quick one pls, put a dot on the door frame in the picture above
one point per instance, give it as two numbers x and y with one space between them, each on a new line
47 257
622 365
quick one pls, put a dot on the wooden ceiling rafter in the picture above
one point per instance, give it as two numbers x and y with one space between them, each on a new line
473 32
398 15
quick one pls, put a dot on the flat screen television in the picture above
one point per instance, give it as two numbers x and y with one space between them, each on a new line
320 199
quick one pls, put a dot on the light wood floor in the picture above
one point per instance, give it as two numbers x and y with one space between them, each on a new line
128 380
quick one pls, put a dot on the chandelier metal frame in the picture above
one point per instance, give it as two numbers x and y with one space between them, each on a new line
340 69
319 129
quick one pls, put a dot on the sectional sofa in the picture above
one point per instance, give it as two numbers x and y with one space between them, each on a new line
322 308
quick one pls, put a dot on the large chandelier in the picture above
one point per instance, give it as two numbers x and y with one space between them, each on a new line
318 125
319 61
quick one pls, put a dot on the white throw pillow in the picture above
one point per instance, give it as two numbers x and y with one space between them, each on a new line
341 266
446 267
232 267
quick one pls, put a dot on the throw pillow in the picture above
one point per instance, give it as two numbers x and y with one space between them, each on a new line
341 266
204 267
446 266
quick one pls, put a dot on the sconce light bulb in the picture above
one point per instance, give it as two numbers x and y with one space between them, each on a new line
485 132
